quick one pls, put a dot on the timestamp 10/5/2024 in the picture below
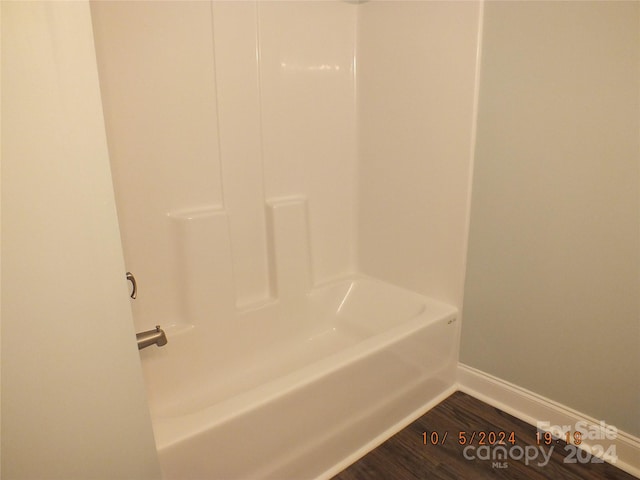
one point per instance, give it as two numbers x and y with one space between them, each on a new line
505 439
480 438
498 438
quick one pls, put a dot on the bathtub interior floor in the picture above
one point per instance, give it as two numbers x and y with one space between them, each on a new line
255 368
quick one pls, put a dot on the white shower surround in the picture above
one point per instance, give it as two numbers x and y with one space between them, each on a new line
246 145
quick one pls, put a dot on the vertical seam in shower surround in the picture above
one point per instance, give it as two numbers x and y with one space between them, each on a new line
472 151
223 202
355 239
215 79
260 101
271 287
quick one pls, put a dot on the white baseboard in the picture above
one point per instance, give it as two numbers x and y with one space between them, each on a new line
533 408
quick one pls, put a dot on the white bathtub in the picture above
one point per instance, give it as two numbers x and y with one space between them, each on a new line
297 391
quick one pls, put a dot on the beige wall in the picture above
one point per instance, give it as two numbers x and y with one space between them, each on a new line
73 401
416 81
552 290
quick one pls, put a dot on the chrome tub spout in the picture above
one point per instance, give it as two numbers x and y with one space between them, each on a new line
150 337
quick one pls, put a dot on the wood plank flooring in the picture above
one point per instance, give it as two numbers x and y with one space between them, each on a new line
406 457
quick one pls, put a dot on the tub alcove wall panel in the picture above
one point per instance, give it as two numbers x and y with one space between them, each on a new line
236 105
416 85
158 83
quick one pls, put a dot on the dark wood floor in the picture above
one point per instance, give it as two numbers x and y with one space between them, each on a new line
406 457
